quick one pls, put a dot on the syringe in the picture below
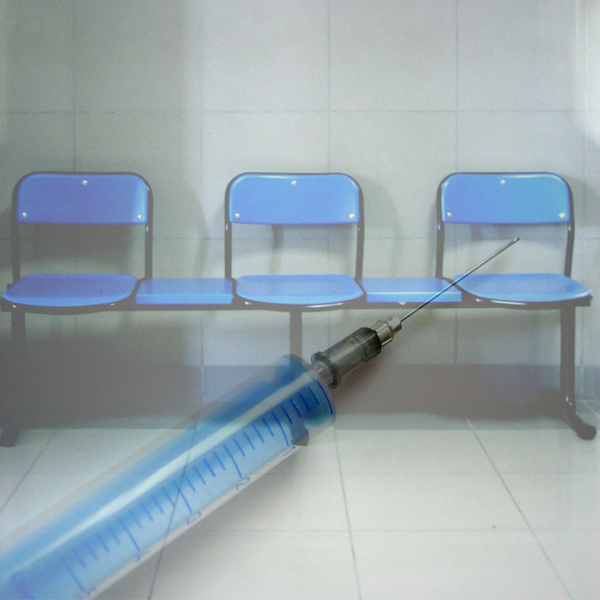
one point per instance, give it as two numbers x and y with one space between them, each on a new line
80 548
336 363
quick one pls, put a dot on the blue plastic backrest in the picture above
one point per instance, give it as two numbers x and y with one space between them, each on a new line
505 198
78 198
276 199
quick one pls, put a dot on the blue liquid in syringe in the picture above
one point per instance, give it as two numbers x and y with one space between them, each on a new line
107 532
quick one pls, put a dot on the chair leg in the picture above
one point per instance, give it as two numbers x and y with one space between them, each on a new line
296 332
17 332
9 437
567 375
14 392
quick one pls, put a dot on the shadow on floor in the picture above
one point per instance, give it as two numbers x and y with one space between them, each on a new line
58 385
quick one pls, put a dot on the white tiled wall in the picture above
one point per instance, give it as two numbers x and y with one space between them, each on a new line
393 56
276 52
398 94
523 57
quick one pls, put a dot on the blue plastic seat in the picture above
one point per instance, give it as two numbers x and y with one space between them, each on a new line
521 201
408 290
301 290
166 291
329 199
525 288
70 291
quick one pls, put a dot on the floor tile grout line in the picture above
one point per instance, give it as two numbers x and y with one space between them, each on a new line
345 499
516 504
592 407
28 470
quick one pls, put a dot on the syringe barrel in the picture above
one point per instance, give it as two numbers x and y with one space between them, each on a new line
105 532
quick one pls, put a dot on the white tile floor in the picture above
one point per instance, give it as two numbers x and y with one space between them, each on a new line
373 509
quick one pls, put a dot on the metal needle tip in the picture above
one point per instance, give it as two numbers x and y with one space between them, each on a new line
459 279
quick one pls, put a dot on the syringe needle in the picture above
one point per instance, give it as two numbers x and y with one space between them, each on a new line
459 279
337 362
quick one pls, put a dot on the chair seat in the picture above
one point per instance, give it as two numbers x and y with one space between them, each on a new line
184 291
306 290
525 287
405 290
70 291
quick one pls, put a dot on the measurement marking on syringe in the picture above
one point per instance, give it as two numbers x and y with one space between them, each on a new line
133 541
249 440
72 574
239 447
199 475
135 519
314 396
185 476
158 505
260 437
102 542
242 483
78 557
209 468
285 412
182 495
331 410
305 402
287 443
268 428
233 460
110 529
91 551
147 511
164 489
220 461
296 409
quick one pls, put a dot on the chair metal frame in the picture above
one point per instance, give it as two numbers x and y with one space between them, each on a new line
193 294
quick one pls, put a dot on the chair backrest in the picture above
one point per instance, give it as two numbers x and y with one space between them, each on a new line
293 199
82 198
56 198
504 199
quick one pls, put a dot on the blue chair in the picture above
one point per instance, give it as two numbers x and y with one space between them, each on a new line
520 200
294 200
69 200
